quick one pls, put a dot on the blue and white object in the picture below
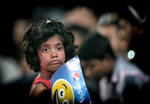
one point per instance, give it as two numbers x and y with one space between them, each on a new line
68 84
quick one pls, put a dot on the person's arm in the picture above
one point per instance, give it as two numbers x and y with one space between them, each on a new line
39 94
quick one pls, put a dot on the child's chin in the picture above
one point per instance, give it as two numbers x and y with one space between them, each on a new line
55 68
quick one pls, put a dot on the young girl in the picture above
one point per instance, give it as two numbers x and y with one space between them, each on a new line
47 46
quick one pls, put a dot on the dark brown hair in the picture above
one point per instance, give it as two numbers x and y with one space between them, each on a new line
38 33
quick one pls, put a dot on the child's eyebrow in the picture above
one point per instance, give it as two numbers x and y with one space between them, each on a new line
59 44
48 45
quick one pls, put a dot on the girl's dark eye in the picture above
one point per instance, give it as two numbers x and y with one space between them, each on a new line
59 48
45 50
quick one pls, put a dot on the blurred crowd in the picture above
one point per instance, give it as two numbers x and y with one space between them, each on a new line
113 50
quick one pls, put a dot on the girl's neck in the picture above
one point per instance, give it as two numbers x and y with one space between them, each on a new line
45 75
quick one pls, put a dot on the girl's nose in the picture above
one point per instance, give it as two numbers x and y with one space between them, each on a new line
54 53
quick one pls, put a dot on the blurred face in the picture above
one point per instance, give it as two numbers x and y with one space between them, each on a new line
128 30
81 15
19 27
96 68
52 54
111 32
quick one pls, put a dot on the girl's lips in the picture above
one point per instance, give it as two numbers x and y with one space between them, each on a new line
55 62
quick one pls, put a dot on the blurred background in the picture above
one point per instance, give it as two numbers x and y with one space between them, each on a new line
15 16
33 9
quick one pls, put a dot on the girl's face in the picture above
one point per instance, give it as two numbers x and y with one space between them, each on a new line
52 54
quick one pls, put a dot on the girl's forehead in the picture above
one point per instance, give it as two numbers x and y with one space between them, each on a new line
54 39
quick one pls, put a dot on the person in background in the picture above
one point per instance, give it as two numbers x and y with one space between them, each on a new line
108 26
10 70
81 15
16 77
128 32
115 75
19 26
47 46
79 33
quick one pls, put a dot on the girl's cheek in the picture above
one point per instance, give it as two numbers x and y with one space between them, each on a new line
43 57
64 57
